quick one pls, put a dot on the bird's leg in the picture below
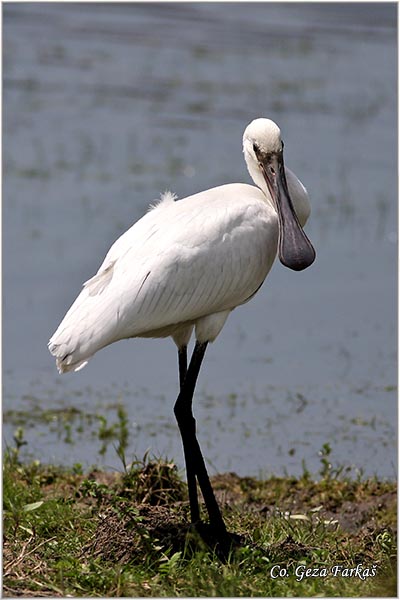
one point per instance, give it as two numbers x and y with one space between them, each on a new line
190 472
193 456
182 362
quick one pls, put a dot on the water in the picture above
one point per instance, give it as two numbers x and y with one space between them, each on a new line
106 107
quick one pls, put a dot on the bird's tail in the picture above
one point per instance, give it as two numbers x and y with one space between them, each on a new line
65 361
72 343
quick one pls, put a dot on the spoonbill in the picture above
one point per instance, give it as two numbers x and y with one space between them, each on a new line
184 266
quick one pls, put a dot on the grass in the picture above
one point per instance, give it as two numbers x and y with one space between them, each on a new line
126 534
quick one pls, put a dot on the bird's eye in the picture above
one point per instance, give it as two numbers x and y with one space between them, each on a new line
256 147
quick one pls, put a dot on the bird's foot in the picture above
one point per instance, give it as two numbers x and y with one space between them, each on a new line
219 540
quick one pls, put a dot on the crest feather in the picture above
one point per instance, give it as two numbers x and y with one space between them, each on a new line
165 198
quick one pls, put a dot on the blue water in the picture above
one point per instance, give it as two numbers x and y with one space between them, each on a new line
105 108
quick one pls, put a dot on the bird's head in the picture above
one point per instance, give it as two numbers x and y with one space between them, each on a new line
263 152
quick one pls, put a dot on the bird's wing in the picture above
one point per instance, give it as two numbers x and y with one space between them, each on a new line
198 258
181 261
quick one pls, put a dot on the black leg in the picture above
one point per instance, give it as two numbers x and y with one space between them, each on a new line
190 472
195 465
182 361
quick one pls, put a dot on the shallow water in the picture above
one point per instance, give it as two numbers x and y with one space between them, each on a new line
103 109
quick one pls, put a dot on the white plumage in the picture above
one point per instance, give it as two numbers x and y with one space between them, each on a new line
186 263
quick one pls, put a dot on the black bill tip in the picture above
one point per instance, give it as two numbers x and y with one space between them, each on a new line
297 256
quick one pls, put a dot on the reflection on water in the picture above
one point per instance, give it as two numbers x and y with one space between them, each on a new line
105 109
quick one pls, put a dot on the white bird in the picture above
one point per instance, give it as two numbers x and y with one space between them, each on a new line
186 265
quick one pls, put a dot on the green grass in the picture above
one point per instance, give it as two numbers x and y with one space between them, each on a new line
126 534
